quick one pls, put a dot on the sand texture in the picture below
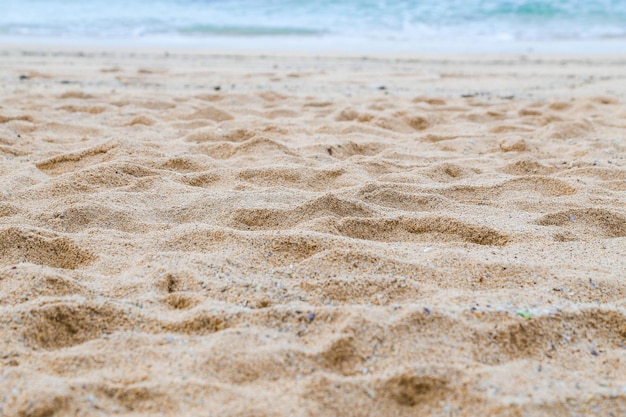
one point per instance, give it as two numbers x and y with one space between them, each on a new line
209 235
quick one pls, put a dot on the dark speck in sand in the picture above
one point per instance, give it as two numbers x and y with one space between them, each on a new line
426 310
310 317
217 88
24 77
382 87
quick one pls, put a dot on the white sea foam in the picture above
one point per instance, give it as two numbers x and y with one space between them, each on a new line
400 25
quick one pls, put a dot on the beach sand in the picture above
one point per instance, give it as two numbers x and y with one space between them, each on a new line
194 234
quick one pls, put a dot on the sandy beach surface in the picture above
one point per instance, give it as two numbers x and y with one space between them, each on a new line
194 234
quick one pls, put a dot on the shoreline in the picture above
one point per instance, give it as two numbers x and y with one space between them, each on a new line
333 46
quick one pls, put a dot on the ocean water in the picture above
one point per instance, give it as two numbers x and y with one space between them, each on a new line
410 24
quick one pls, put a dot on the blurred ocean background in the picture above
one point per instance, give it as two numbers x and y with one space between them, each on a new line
322 24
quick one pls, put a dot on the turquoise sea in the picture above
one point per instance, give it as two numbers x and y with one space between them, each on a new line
353 24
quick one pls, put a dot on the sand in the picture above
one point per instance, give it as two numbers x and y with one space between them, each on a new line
194 234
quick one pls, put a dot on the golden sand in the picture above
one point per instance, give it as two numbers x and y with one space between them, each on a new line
188 234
